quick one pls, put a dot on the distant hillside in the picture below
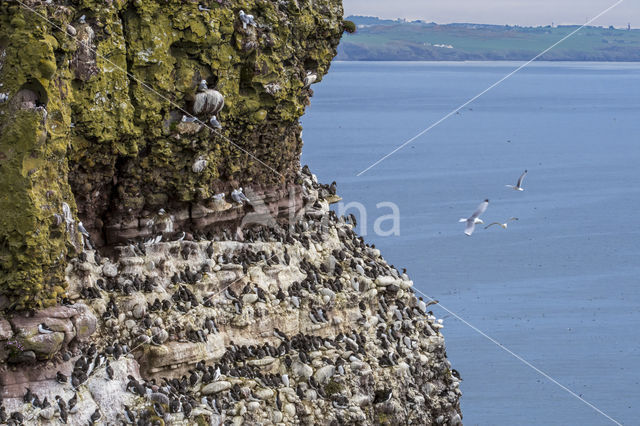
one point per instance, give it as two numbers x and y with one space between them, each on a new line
386 40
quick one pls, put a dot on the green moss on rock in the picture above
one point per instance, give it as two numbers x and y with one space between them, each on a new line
111 146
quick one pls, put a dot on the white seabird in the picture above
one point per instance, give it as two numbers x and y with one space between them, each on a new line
310 79
239 197
472 220
518 186
219 197
44 329
215 123
83 230
187 119
4 97
503 225
199 165
246 19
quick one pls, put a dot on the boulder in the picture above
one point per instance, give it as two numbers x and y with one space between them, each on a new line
5 330
44 345
85 322
215 387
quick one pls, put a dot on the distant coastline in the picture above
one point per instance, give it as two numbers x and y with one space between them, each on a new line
399 40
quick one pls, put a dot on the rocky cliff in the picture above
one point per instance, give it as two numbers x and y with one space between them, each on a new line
137 284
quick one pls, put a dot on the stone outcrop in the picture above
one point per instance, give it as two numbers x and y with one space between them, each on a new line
290 325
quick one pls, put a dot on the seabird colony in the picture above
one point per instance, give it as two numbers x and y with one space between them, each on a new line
334 330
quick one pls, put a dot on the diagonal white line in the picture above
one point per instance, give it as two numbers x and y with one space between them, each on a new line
151 89
497 83
519 358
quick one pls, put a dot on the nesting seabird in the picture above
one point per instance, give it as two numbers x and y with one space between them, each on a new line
4 97
215 123
518 186
503 225
239 197
188 119
246 19
83 230
474 219
199 165
207 101
44 329
310 79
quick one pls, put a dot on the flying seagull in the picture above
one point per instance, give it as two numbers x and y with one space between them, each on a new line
472 220
518 186
503 225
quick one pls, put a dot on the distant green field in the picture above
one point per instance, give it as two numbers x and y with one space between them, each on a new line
410 41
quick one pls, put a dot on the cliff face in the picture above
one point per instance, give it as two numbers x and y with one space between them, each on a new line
177 305
96 92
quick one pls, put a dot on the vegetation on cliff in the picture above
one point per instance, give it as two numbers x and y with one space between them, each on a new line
96 92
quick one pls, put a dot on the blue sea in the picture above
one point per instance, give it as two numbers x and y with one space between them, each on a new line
560 287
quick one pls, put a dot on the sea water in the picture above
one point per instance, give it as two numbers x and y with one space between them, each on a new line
560 287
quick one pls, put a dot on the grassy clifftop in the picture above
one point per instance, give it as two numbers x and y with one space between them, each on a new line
384 40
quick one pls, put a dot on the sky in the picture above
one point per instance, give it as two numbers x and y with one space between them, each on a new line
511 12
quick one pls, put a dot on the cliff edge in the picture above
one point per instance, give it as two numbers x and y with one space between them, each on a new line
163 257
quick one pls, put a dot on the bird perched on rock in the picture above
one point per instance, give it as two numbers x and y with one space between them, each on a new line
215 123
310 79
381 396
61 378
44 329
187 119
4 97
207 101
199 165
246 19
239 197
518 185
474 219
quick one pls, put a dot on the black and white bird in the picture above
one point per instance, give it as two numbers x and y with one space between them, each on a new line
95 416
381 396
246 19
61 378
518 186
474 219
128 415
44 329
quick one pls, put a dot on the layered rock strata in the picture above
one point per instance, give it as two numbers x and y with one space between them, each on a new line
307 325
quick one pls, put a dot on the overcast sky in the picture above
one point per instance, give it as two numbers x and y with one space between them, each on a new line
512 12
